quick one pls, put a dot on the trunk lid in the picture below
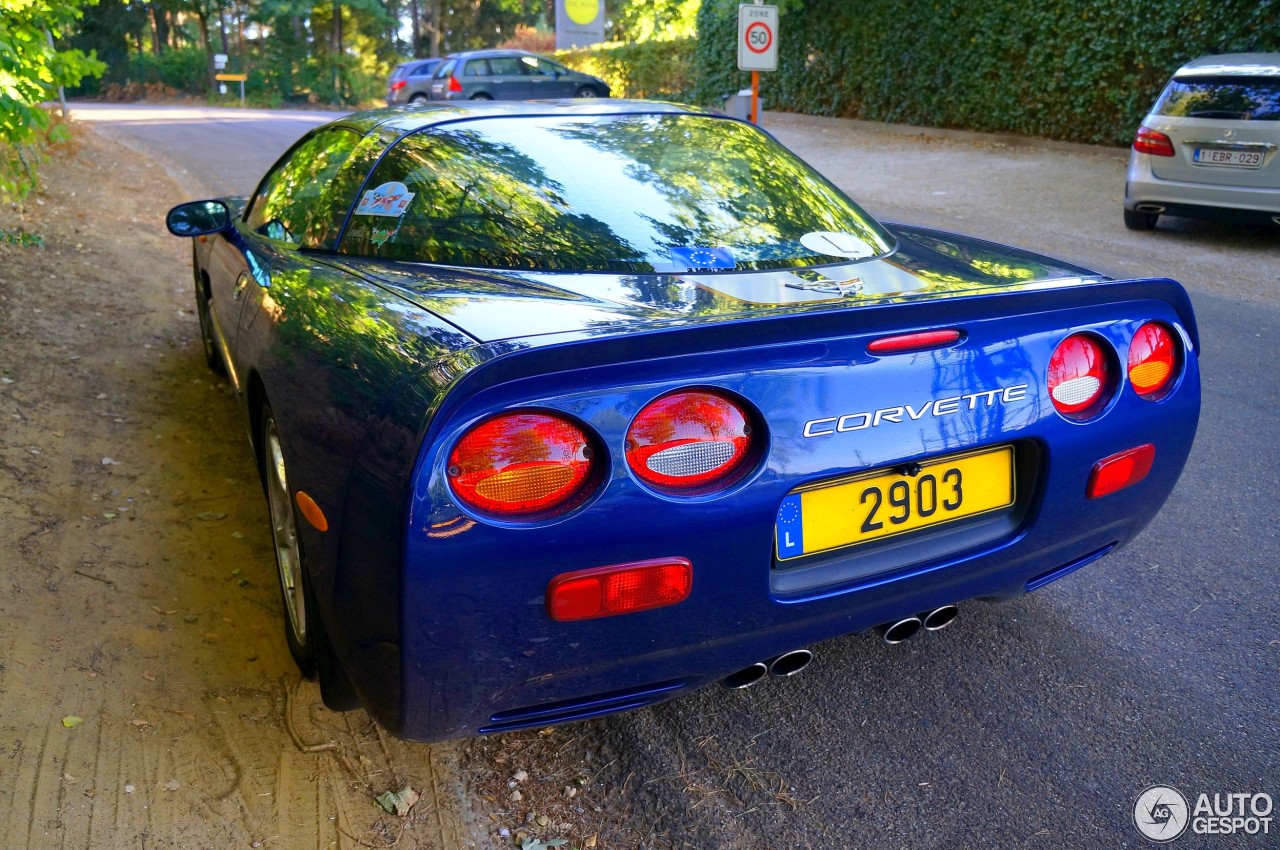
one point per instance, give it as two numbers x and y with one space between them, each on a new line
501 305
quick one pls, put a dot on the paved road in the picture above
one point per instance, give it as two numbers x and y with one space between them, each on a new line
1030 724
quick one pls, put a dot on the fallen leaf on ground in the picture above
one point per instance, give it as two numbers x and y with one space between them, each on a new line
398 802
71 721
528 843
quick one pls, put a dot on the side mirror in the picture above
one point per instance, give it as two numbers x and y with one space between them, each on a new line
198 218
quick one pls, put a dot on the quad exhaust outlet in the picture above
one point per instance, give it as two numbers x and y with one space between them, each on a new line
790 663
908 627
782 666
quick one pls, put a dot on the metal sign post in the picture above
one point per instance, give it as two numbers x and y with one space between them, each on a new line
757 46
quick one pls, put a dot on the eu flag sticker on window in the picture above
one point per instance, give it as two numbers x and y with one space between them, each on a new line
790 528
699 259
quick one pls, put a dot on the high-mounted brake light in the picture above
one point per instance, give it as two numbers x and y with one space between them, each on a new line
690 442
620 589
1079 376
454 85
921 341
1152 142
1120 471
1153 360
521 464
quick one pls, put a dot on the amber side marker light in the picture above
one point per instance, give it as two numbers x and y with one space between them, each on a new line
311 511
619 589
1121 470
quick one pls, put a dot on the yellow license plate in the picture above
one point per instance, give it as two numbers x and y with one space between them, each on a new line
886 503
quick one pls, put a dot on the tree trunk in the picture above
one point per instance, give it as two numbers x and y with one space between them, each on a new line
435 27
222 30
336 45
415 16
203 17
159 29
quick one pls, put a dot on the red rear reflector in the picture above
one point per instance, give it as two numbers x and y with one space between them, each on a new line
454 85
521 463
1153 360
620 589
1120 471
398 84
689 441
1078 376
1152 142
913 342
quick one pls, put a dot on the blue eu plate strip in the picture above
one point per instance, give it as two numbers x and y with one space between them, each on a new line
790 528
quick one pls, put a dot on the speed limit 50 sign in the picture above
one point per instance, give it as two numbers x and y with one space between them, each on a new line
757 38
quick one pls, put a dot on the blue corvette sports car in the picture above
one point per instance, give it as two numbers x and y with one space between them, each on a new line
564 409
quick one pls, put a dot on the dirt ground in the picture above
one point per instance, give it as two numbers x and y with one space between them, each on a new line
147 696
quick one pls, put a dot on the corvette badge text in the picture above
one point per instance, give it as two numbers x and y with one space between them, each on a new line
1161 813
829 425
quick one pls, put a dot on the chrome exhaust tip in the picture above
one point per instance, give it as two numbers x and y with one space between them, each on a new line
1149 208
746 677
790 663
939 618
897 632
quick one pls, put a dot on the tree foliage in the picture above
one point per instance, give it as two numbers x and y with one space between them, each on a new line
31 69
1061 69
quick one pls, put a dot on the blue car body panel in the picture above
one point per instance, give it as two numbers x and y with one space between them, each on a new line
438 615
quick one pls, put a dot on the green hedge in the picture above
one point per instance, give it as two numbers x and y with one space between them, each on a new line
654 69
1084 71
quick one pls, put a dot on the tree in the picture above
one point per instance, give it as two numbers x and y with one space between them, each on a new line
31 69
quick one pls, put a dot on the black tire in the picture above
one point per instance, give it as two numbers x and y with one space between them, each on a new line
303 628
586 91
481 96
1139 220
418 98
211 356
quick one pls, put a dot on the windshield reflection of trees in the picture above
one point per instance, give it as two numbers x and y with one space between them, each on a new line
1257 100
483 203
729 185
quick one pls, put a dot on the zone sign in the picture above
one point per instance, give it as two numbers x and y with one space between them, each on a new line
757 38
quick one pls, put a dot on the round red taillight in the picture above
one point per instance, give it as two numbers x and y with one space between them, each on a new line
690 441
1153 360
1079 376
519 464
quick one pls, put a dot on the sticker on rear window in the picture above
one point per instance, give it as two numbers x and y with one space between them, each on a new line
702 258
389 199
837 244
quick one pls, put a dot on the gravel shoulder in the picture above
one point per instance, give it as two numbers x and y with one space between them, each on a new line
147 698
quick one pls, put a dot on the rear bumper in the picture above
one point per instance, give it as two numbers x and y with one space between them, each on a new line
1195 200
480 654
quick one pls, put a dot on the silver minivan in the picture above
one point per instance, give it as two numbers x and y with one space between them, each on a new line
1208 148
510 75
